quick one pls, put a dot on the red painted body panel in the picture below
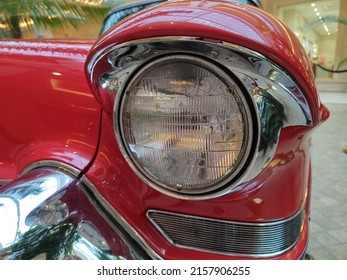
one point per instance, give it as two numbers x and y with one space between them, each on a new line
47 110
49 113
278 192
235 23
284 185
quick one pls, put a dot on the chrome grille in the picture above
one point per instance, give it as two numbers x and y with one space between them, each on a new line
226 237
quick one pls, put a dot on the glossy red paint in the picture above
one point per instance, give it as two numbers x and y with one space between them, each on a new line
47 110
55 117
227 21
284 185
280 190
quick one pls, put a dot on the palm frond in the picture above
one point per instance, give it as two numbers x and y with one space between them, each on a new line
49 13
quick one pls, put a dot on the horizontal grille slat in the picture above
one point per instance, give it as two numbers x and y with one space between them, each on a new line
226 237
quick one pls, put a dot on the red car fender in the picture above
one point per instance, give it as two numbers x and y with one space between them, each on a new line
47 109
284 185
235 23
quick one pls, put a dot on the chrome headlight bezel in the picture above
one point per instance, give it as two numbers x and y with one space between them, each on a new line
179 187
263 82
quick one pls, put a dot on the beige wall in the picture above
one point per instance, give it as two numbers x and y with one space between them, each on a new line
272 6
327 46
341 44
297 24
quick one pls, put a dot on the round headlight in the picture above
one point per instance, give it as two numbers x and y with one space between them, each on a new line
185 125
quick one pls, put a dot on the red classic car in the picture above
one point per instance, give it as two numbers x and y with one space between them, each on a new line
183 132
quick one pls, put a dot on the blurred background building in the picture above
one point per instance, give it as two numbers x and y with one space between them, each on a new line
321 27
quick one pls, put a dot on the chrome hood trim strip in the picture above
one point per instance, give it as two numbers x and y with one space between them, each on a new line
118 219
3 182
65 168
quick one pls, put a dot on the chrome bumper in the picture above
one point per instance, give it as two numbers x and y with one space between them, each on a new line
48 214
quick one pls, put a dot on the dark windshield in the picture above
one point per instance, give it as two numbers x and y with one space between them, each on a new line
123 11
250 2
118 14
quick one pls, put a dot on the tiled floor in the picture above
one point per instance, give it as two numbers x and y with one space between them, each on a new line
328 230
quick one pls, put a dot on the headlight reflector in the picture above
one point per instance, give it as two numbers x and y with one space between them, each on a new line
185 124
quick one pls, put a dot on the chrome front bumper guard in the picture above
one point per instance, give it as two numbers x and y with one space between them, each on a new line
50 214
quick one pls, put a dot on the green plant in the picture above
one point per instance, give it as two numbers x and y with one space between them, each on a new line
48 13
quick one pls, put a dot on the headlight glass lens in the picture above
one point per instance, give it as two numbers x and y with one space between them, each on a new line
185 125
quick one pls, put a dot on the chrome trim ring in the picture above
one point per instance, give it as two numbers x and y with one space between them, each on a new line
279 102
244 105
259 240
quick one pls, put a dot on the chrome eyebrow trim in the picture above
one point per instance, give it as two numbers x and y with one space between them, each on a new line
277 100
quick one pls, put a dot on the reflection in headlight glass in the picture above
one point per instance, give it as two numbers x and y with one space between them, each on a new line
184 124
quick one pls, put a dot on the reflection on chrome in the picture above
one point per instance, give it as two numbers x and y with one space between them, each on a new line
271 114
48 214
277 101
